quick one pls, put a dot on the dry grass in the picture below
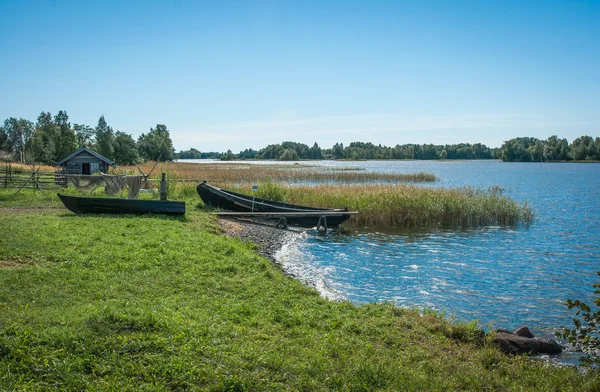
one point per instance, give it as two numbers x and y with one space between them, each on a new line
17 262
232 173
18 167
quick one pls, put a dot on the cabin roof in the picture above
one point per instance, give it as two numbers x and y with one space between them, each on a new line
82 149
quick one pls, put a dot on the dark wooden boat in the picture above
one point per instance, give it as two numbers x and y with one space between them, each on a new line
263 208
100 205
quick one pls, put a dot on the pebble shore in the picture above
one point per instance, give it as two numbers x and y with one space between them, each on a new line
269 240
267 237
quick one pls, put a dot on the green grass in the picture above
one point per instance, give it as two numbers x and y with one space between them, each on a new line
161 303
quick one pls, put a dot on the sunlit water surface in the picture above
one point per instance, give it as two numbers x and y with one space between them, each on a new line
505 277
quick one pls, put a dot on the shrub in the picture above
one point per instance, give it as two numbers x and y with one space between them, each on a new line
586 334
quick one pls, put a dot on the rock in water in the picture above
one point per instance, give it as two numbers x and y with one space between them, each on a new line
525 332
514 344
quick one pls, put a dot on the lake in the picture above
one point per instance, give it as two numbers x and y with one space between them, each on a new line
504 277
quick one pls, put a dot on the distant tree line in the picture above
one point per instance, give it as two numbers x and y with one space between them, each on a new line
291 151
195 154
524 149
529 149
51 139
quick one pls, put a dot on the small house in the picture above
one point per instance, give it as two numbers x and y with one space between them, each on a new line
85 161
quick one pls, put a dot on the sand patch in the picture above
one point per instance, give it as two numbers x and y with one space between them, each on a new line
231 228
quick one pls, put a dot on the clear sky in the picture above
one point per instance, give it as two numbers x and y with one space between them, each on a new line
243 74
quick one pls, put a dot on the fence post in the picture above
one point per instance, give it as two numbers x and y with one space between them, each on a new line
163 188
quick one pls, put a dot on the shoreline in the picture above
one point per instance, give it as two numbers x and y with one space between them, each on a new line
269 241
267 238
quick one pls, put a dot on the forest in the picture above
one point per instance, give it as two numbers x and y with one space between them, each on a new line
53 138
292 151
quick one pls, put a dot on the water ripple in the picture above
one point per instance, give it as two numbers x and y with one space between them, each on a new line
505 277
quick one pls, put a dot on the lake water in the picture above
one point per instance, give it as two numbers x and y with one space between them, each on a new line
506 277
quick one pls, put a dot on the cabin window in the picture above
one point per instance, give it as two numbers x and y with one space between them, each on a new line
85 168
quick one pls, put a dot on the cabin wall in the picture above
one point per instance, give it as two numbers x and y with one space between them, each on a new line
74 165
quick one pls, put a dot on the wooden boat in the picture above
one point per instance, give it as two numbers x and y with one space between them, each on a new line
257 207
100 205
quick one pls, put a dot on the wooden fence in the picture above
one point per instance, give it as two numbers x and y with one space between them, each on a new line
32 179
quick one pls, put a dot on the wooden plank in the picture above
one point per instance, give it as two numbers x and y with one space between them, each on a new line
284 214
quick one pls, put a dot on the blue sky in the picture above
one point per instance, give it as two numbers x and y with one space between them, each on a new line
243 74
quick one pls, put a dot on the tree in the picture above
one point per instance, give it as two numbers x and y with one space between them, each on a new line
18 133
272 151
522 149
583 148
315 152
228 156
84 135
189 154
337 151
46 140
105 138
289 155
125 149
3 139
67 142
156 145
247 154
536 150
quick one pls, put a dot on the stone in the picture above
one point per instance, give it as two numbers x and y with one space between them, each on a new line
514 344
525 332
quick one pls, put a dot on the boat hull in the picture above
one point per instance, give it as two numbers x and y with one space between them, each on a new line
309 219
232 201
99 205
228 200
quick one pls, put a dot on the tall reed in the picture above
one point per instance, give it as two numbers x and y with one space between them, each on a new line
387 204
410 206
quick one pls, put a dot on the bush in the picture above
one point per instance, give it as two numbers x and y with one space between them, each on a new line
586 334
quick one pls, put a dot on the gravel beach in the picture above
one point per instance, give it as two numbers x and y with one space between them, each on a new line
268 238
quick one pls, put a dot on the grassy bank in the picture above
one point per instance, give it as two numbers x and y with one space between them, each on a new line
407 206
156 303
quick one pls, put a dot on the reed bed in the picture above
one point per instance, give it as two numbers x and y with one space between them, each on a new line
384 202
387 206
228 173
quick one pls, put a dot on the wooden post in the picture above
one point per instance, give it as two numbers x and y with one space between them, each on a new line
26 182
163 187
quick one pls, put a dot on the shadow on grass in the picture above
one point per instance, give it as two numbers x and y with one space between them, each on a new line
166 217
